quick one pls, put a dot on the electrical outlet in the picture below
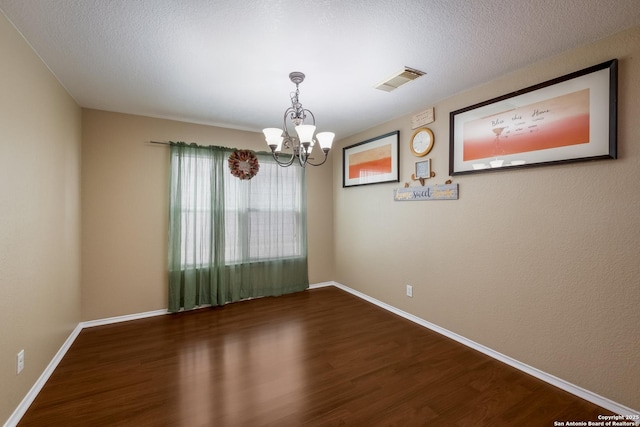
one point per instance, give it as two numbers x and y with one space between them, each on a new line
410 291
20 362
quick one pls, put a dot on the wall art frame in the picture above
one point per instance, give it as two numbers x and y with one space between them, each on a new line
568 119
374 161
423 169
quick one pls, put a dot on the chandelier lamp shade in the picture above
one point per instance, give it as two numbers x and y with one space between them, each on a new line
286 148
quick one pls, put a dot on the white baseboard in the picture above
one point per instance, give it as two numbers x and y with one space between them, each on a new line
321 285
551 379
558 382
41 381
125 318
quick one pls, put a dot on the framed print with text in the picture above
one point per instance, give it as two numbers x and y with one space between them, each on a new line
571 118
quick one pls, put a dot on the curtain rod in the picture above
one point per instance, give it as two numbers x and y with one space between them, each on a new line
192 143
227 148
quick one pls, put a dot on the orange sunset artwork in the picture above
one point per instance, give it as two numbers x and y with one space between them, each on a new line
375 161
553 123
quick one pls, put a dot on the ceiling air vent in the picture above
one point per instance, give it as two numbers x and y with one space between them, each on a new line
398 79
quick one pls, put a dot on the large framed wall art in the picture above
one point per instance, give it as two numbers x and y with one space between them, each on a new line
571 118
373 161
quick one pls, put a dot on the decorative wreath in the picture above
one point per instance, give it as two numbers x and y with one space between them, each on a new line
243 164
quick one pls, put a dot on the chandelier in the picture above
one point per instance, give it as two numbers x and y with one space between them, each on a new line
285 148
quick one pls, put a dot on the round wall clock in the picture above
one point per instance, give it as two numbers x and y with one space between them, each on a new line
421 142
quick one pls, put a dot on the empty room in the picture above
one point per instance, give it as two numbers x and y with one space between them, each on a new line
297 213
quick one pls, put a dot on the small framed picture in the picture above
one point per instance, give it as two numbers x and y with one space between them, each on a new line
423 169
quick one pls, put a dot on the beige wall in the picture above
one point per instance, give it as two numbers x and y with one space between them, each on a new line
125 208
542 264
39 216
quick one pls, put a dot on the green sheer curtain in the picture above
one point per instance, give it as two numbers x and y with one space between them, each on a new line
232 239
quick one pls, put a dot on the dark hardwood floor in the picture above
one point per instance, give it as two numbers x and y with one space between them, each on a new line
317 358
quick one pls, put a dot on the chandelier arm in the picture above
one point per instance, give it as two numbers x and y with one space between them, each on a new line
326 156
301 154
312 116
284 164
302 162
284 120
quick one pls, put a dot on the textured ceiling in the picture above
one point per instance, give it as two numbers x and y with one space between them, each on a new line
227 62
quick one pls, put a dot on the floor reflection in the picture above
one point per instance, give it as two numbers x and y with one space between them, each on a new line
257 367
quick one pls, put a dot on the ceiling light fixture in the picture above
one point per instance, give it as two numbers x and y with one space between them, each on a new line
286 148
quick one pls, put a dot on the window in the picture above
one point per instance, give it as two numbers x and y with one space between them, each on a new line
264 218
